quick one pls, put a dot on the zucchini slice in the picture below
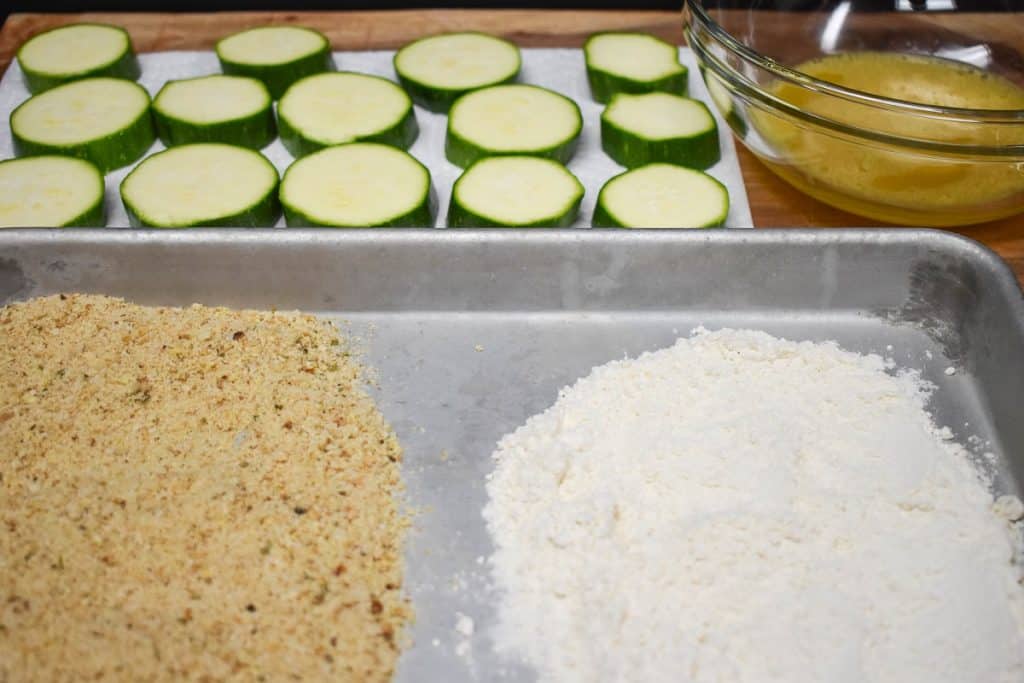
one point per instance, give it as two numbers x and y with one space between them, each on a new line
334 108
206 184
515 192
358 185
74 52
50 192
437 70
632 63
723 100
657 127
276 55
661 196
103 120
512 119
235 110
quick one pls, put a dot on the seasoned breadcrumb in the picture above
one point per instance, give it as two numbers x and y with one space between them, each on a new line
192 494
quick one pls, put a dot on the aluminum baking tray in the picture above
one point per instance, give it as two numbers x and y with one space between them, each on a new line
471 332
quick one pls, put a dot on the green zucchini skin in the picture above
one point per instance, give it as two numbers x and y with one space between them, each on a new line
108 153
461 217
603 218
420 217
400 135
604 85
279 77
255 131
631 150
112 152
724 102
440 100
126 66
94 217
464 153
262 215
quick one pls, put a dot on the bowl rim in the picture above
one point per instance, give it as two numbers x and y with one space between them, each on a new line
958 114
738 84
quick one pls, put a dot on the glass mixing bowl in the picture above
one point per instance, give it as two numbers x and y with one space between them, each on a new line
906 116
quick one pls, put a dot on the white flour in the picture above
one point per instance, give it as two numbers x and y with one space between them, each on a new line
742 508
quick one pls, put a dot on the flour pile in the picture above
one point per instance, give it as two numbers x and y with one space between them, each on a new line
742 508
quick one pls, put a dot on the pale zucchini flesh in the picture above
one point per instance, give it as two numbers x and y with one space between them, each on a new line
74 52
358 185
335 108
276 55
437 70
269 45
235 110
50 192
662 196
620 62
205 184
515 191
659 128
102 120
512 120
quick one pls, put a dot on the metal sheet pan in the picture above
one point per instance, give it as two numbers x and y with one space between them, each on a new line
472 332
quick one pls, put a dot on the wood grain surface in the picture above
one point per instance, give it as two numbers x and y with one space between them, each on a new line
773 202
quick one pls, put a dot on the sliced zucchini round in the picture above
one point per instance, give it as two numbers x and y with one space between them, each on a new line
437 70
632 63
235 110
515 192
50 192
103 120
205 184
512 119
334 108
276 55
662 196
358 185
74 52
657 127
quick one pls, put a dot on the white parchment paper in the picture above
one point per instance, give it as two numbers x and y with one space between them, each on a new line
561 70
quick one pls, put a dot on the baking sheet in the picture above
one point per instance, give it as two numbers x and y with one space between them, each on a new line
471 332
560 69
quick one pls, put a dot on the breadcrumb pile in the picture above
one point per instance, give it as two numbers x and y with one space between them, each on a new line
192 494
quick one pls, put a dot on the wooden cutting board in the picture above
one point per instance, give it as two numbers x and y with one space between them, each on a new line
772 202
